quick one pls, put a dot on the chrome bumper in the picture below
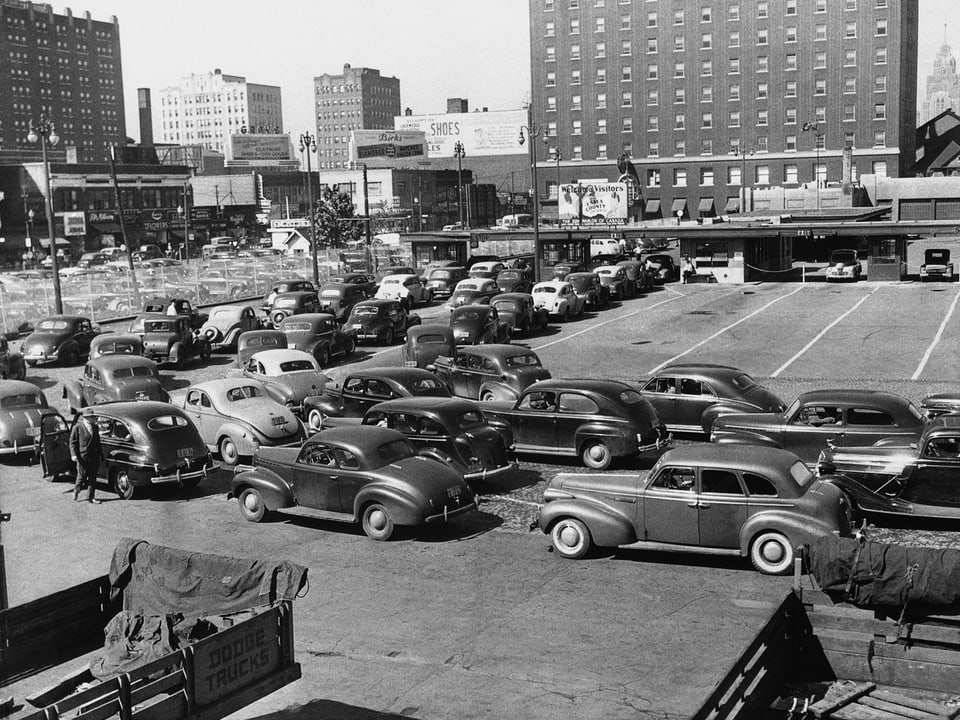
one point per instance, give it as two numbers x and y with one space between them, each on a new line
179 476
494 474
447 514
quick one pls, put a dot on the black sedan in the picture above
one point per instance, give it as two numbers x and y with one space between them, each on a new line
381 321
58 338
478 325
318 334
490 372
515 280
662 267
115 377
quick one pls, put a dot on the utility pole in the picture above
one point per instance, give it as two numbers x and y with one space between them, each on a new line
123 228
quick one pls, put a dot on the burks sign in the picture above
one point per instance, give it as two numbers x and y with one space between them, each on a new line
593 202
388 148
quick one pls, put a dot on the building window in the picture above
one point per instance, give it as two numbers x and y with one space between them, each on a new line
575 51
680 147
679 121
653 149
850 4
881 4
881 28
549 29
678 43
763 36
576 127
880 56
678 17
576 102
850 29
762 175
625 22
763 117
849 86
790 34
880 111
653 96
762 91
548 5
819 86
626 124
706 176
651 45
880 83
651 20
653 71
791 62
600 50
601 126
551 53
626 99
653 123
679 95
578 152
733 12
733 92
820 60
734 39
880 168
763 63
601 75
551 79
601 101
599 25
790 174
849 113
679 177
626 74
791 8
706 68
653 178
706 15
820 33
820 115
849 139
733 175
706 146
574 26
706 93
820 141
602 151
790 117
734 119
762 10
790 143
626 47
790 88
551 103
574 4
706 120
575 76
706 41
679 70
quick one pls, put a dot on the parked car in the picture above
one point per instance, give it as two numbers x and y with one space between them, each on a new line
637 274
58 338
236 416
842 417
92 259
595 420
297 302
169 339
515 280
442 280
478 325
114 377
425 343
116 344
394 270
363 389
487 269
225 323
844 265
760 503
558 299
472 291
320 335
363 474
290 376
520 312
451 430
608 247
936 265
662 268
22 408
253 341
12 364
427 270
614 278
381 321
409 290
362 280
145 443
285 286
897 479
339 299
175 306
561 270
690 396
490 372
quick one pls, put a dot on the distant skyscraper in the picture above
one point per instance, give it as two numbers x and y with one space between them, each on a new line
358 99
65 67
207 109
943 85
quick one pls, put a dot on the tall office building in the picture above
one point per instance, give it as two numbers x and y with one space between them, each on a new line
208 108
704 95
943 85
357 99
66 68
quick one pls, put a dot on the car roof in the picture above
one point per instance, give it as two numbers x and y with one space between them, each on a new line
551 283
403 375
751 458
376 302
430 405
296 293
495 350
610 388
219 386
399 277
361 440
142 410
68 318
478 308
112 362
18 387
511 296
312 318
275 356
879 398
429 329
706 370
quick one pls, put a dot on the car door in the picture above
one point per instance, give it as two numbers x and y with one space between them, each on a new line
352 397
375 391
865 425
722 506
811 427
574 410
694 397
55 446
669 509
192 408
661 391
248 320
463 371
315 478
535 420
933 481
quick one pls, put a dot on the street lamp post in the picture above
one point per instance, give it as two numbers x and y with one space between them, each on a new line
46 134
742 151
534 131
558 157
308 144
459 153
817 138
184 210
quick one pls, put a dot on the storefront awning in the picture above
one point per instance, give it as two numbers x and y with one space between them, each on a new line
705 206
652 207
61 242
679 205
733 205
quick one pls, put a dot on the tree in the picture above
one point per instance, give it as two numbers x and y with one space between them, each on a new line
333 217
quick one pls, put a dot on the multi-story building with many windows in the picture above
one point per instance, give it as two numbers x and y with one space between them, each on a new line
357 99
208 108
66 68
712 97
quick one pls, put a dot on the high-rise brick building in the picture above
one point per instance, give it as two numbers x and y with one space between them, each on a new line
357 99
64 67
701 94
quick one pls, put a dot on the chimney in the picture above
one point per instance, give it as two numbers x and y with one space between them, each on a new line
847 171
146 117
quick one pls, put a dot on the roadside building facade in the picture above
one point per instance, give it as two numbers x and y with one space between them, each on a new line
67 68
713 100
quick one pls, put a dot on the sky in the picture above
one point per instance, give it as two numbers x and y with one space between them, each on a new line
439 49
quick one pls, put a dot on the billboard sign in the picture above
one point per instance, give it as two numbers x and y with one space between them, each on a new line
482 133
74 223
593 202
388 148
260 148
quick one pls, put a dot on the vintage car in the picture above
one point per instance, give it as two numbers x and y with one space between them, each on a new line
478 325
109 343
361 474
637 275
235 416
472 291
293 303
561 270
662 268
22 408
895 479
515 280
425 343
338 299
940 404
451 430
362 280
558 299
614 278
363 389
595 420
170 339
291 377
760 503
225 323
381 321
442 280
519 311
144 444
844 265
408 289
58 338
936 265
605 247
690 396
285 286
320 335
487 269
12 364
394 270
842 417
427 270
490 372
114 377
253 341
175 306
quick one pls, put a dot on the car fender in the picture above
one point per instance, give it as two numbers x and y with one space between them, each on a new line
404 510
435 453
329 405
176 352
230 337
277 492
612 437
608 527
500 390
866 500
242 435
721 408
798 529
744 437
73 394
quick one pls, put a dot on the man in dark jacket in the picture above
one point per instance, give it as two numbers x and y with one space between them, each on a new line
85 451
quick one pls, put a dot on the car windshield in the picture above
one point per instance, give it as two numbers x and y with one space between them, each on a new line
394 450
297 327
545 289
526 360
802 474
117 348
743 381
160 326
467 315
243 392
366 310
847 257
137 371
433 340
470 420
285 302
52 325
507 305
428 386
166 422
22 400
295 366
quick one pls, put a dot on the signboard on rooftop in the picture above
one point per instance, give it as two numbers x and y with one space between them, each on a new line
259 147
593 202
481 133
388 148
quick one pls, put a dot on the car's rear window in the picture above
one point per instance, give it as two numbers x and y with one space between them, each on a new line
295 365
138 371
52 325
526 360
743 381
366 310
285 302
160 326
467 315
441 275
166 422
333 293
394 450
507 305
545 289
509 275
243 392
432 340
224 313
391 281
21 400
427 386
296 327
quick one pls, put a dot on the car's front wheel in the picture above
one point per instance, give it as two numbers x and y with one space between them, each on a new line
596 456
388 336
376 522
771 553
570 538
252 506
205 351
122 485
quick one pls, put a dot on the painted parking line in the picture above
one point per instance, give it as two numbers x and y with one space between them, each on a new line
822 333
722 331
936 338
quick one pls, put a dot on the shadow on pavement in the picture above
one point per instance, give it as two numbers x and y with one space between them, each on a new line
335 711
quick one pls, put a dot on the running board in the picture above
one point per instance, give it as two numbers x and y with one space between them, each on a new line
300 511
671 547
